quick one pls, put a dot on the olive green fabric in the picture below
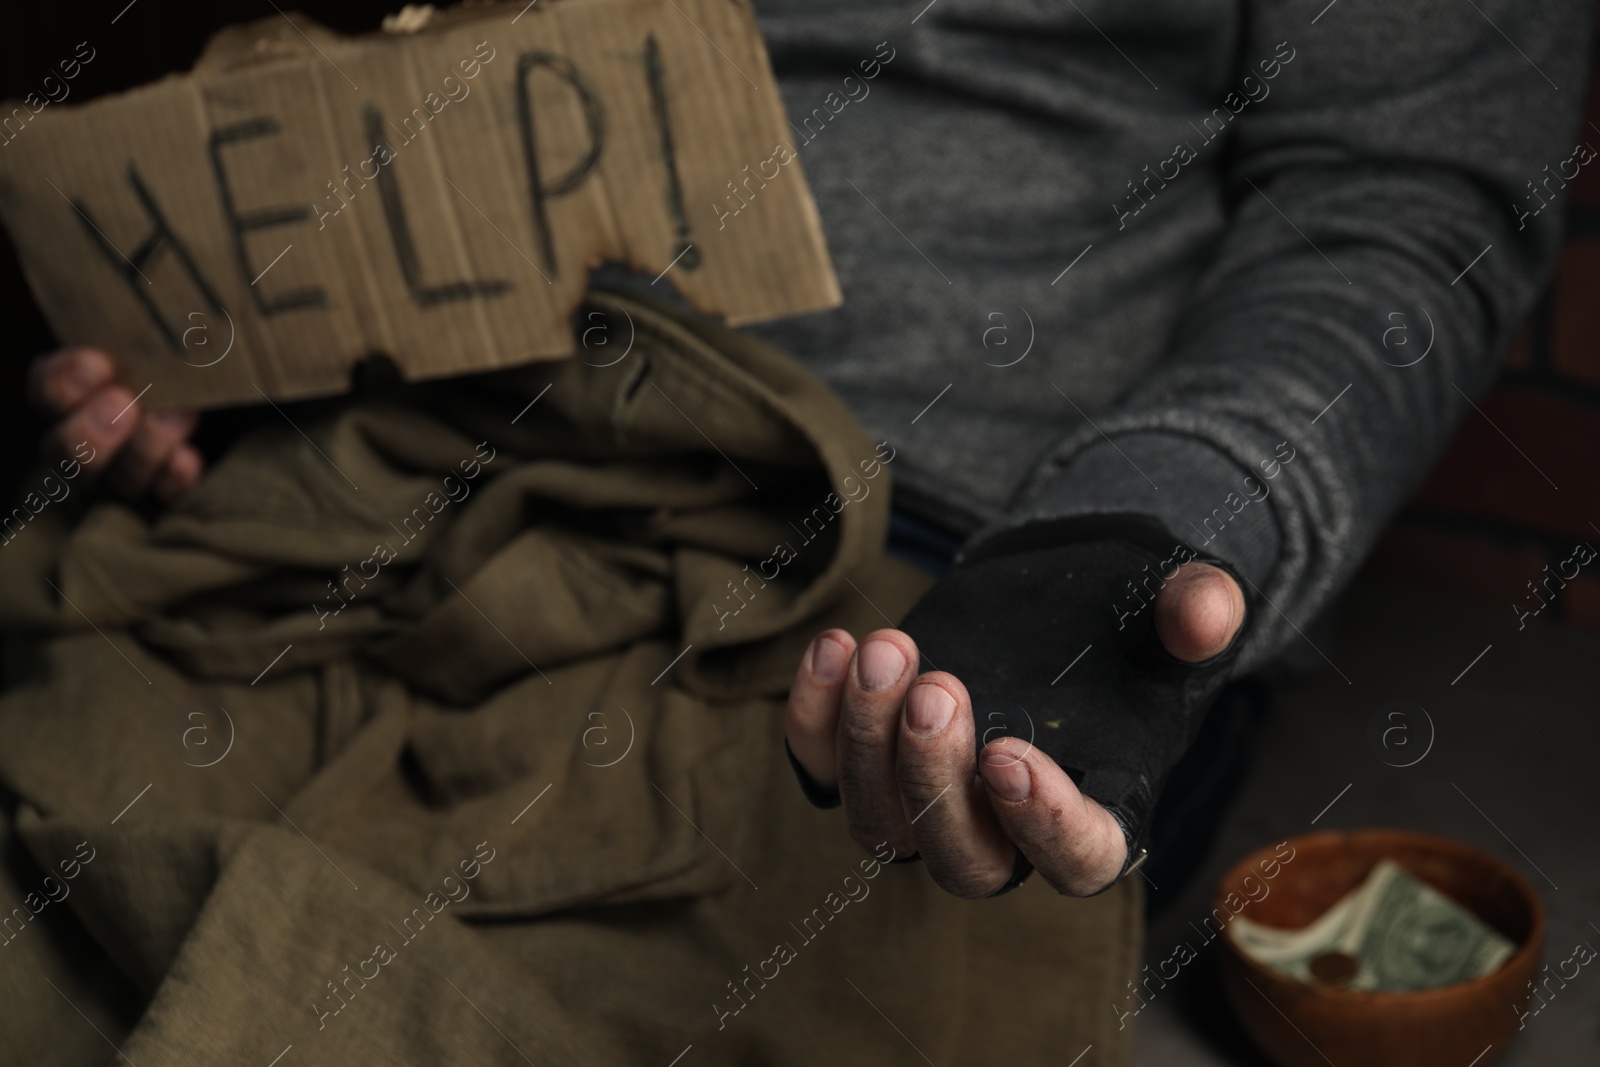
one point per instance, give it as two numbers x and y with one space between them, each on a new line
512 791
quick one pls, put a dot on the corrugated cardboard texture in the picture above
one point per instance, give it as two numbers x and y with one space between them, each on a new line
302 200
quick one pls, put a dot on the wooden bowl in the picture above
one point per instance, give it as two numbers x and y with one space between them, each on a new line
1303 1025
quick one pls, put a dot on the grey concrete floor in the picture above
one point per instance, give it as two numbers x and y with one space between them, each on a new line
1518 735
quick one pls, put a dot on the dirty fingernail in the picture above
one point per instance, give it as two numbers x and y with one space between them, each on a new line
828 660
881 665
928 709
1007 776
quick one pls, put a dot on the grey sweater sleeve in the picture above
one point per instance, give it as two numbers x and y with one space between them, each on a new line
1386 236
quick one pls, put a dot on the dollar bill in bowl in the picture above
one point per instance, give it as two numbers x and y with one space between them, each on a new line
1392 933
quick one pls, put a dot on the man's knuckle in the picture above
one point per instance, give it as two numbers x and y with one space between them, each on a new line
871 837
1082 870
861 733
1071 885
920 783
970 882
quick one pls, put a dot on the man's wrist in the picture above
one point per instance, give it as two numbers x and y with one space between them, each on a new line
1201 495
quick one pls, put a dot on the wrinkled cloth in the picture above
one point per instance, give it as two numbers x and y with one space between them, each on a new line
510 788
1262 205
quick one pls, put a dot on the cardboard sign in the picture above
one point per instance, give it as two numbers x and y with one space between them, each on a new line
302 200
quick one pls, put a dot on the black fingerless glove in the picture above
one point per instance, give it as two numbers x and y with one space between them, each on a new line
1051 627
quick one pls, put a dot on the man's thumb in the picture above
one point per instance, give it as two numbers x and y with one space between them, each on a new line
1198 612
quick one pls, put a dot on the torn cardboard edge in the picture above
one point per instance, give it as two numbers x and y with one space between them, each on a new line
302 200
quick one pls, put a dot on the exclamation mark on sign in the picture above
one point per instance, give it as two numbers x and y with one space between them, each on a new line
686 254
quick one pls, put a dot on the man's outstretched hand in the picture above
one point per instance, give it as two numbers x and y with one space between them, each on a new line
898 747
138 451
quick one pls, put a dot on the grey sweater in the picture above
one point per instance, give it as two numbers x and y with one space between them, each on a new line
1258 254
